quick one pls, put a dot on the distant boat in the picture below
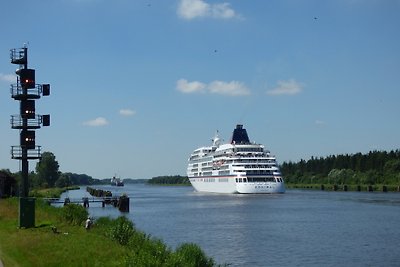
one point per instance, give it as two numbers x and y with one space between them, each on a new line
117 181
236 167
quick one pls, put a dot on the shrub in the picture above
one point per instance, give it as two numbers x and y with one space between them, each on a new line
104 223
121 230
74 214
190 254
148 252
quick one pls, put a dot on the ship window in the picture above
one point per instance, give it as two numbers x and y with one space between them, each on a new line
244 180
240 180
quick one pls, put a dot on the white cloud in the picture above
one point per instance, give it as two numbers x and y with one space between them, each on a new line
222 11
8 77
191 9
189 87
127 112
233 88
100 121
290 87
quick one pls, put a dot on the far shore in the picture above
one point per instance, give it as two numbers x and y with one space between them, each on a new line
344 187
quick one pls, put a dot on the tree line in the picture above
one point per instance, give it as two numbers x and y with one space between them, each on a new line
375 167
169 180
47 175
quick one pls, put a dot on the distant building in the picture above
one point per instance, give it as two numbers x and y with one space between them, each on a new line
8 185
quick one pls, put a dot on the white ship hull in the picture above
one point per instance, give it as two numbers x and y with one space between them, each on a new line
228 185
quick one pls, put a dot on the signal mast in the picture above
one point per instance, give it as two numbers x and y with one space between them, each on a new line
26 91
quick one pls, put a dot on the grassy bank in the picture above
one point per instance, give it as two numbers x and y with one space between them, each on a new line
109 242
51 192
332 187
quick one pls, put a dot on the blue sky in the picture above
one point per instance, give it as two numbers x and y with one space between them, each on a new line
136 86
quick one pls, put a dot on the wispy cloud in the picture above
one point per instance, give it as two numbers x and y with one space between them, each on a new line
99 121
127 112
290 87
191 9
320 123
184 86
8 77
233 88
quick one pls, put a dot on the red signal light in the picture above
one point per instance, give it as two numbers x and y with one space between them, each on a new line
27 78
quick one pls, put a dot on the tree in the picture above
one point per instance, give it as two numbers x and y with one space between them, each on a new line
47 170
63 181
369 177
334 176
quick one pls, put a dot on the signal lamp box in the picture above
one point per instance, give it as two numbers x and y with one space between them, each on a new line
28 139
27 78
28 109
46 89
46 120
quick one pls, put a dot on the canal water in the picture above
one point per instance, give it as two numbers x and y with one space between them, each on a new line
298 228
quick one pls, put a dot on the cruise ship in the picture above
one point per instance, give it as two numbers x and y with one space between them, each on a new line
239 166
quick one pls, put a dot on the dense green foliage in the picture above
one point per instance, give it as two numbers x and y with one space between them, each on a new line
47 172
47 175
190 254
170 180
149 251
121 230
68 179
376 167
134 181
74 214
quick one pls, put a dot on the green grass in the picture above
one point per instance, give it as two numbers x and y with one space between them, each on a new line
50 192
39 246
110 242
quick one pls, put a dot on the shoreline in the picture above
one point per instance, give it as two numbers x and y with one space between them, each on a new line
346 187
119 240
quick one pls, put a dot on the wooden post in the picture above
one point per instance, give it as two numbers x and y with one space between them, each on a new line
123 204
